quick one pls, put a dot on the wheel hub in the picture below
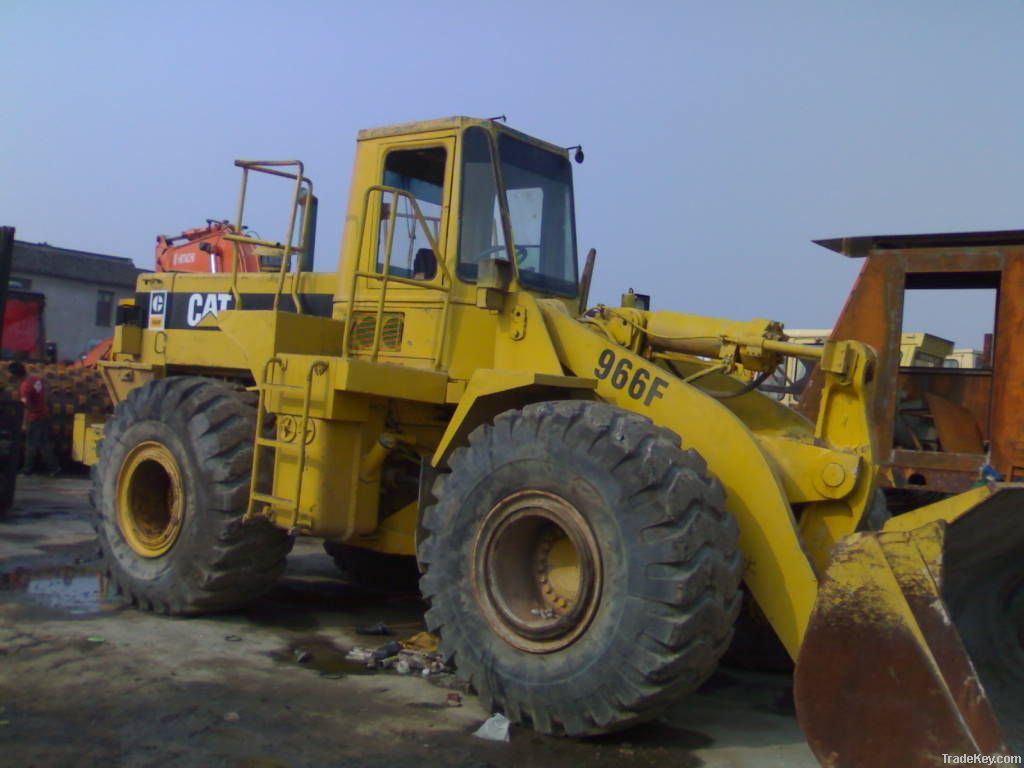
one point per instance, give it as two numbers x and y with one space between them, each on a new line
536 571
150 499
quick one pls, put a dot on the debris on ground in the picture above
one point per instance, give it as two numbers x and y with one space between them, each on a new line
232 717
302 655
454 699
421 641
360 656
387 652
418 654
495 728
232 638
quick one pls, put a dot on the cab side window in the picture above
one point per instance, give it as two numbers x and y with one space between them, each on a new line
420 172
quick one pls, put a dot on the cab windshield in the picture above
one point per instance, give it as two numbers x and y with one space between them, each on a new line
538 192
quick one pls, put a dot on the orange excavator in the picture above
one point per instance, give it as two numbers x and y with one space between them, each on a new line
208 249
217 246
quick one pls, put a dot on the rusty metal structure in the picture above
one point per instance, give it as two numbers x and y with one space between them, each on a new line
978 413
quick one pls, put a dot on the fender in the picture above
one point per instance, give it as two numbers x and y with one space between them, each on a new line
778 571
491 391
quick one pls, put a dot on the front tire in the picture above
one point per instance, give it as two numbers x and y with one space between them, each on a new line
581 568
169 493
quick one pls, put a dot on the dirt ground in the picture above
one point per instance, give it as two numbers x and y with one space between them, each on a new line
85 681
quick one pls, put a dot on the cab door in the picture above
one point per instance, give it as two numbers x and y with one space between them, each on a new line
404 279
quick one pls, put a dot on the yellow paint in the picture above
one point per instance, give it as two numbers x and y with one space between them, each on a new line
562 569
150 499
486 382
882 569
88 431
948 509
395 535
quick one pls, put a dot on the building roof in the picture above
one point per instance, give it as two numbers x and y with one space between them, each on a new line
67 263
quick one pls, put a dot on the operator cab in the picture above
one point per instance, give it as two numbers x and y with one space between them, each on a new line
511 195
449 219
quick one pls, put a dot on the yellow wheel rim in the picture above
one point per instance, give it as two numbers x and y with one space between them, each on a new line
558 567
536 571
150 499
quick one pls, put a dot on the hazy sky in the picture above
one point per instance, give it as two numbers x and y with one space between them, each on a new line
721 137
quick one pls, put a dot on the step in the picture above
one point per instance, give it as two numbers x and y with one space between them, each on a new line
269 442
275 501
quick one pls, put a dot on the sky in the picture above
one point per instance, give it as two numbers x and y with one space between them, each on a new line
721 138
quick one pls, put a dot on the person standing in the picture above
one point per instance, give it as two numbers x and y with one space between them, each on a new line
37 420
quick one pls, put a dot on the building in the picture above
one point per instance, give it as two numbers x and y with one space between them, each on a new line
81 289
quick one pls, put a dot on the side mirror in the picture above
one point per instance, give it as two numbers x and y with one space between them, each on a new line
493 278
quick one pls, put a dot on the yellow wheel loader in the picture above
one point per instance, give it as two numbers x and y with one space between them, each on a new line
584 489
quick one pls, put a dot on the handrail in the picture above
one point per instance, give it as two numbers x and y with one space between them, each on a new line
252 240
270 167
385 278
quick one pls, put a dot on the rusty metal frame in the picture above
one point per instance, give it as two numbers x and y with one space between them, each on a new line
874 314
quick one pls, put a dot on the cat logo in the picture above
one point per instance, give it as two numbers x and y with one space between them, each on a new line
157 310
201 305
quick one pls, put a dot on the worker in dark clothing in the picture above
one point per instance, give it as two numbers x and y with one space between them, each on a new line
37 420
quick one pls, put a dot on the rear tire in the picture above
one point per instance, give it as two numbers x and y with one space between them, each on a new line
629 592
169 493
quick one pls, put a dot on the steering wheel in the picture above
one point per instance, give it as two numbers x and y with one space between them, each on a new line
520 253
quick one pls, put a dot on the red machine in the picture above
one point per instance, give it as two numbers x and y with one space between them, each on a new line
205 249
24 335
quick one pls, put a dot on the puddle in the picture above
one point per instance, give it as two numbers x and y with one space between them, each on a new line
308 604
69 590
320 655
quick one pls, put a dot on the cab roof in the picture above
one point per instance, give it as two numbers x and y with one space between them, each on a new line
454 122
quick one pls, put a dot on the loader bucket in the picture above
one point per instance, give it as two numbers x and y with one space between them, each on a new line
914 647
